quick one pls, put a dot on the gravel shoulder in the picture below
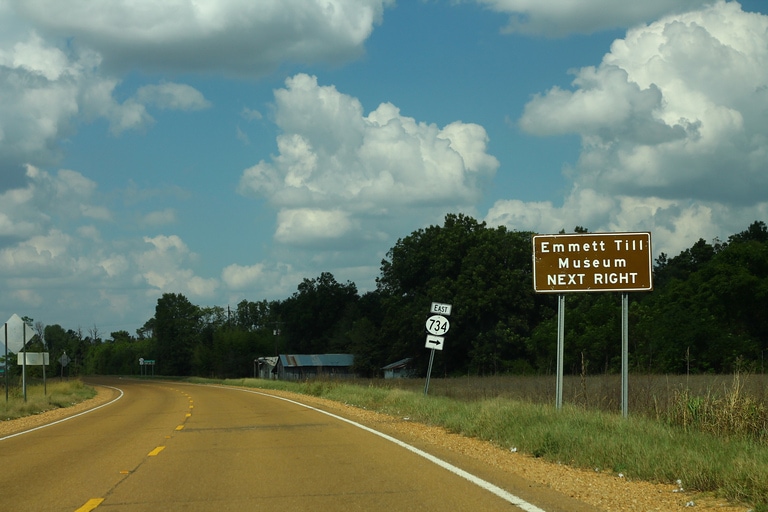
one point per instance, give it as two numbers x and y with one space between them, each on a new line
605 491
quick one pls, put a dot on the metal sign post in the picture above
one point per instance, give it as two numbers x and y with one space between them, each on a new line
593 262
144 363
437 326
625 354
24 363
5 362
560 350
16 339
429 370
63 361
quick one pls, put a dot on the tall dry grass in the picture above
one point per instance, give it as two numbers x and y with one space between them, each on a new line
726 405
40 398
652 444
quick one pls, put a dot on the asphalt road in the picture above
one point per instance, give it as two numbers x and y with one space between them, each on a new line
173 446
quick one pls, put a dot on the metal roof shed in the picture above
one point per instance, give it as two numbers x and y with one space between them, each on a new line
399 369
306 366
265 367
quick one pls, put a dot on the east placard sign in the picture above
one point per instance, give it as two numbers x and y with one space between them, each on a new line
592 262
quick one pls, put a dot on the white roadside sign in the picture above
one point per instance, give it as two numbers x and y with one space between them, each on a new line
17 333
33 358
437 325
435 342
441 309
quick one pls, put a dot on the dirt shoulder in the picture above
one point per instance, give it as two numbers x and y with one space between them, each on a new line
103 395
605 491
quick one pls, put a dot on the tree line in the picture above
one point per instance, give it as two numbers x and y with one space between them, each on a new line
705 314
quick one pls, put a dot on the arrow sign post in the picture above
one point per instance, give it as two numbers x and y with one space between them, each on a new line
437 326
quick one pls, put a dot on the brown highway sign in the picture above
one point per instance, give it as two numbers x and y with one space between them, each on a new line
592 262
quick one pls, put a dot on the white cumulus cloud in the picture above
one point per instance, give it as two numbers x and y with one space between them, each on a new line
239 277
236 36
563 17
343 174
673 131
162 267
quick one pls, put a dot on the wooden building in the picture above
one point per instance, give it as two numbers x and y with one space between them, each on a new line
401 369
308 366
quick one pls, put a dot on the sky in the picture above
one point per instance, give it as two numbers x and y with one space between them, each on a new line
228 149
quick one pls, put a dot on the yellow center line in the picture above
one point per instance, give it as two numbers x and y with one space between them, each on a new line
90 505
180 427
156 451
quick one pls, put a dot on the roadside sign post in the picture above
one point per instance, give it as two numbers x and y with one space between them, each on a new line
437 326
593 262
144 363
560 350
24 364
16 339
5 362
63 361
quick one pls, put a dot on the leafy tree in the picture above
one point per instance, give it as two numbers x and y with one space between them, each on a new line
686 263
756 232
485 273
119 336
361 336
707 310
177 331
147 330
706 314
250 316
311 318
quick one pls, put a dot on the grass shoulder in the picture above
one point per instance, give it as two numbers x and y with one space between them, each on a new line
639 447
42 398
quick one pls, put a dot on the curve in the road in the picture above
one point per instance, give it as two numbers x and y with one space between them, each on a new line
498 491
481 483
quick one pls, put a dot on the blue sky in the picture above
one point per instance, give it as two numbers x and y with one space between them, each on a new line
227 149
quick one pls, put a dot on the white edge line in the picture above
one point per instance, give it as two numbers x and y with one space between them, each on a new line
488 486
68 417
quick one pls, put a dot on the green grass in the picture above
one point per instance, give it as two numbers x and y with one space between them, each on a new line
59 394
733 466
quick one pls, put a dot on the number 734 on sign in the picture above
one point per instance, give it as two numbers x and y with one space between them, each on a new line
437 325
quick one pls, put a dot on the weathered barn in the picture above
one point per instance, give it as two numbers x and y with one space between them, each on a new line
399 369
264 367
307 366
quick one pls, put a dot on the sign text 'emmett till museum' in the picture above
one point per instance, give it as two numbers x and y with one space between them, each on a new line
592 262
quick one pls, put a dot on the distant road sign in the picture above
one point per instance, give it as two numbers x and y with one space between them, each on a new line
437 325
18 334
33 358
440 309
592 262
435 342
